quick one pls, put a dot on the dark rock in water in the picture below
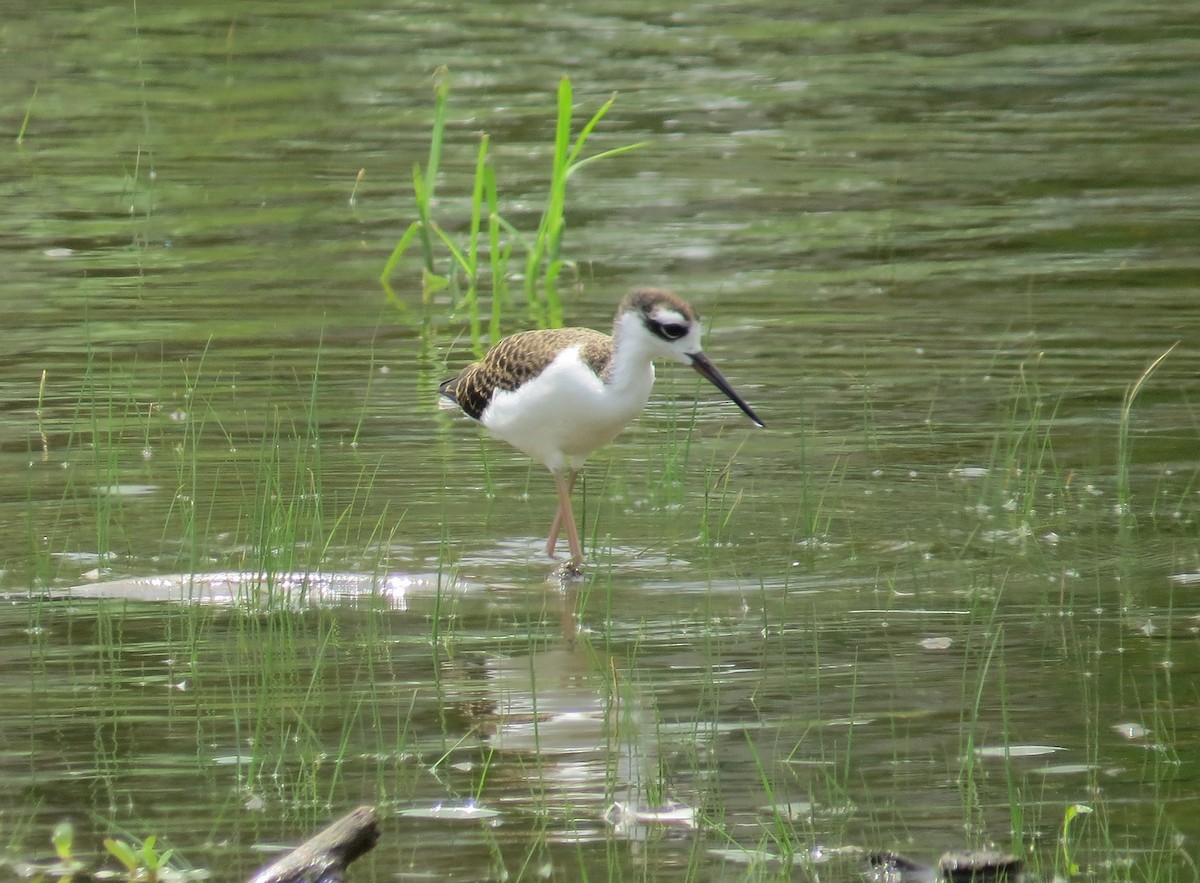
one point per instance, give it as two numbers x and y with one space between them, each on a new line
892 867
980 866
977 866
894 860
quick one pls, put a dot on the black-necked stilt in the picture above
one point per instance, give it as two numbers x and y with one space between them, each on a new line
560 394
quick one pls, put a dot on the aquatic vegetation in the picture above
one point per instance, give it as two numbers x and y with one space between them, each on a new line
141 861
1069 867
1124 445
543 262
28 113
951 596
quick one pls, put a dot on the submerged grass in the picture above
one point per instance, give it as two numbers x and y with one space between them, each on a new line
1022 473
300 760
260 504
1026 486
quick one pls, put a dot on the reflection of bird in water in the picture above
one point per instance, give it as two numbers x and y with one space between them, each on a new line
566 723
560 394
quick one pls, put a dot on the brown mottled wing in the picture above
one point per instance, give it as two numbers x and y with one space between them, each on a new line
520 358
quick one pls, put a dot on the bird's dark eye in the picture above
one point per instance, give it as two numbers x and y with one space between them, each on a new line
670 330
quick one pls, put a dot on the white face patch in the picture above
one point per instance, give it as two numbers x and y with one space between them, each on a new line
667 316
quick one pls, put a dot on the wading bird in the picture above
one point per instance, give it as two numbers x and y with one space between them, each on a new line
560 394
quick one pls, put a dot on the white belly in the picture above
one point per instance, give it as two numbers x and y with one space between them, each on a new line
566 412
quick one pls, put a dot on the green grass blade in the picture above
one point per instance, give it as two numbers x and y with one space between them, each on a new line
441 91
398 252
28 114
545 308
477 201
1123 441
587 129
497 255
587 160
460 258
423 198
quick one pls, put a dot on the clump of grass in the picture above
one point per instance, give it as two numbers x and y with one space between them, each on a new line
142 862
1023 452
251 502
977 685
777 829
719 506
542 261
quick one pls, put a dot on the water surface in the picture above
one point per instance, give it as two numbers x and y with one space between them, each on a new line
923 610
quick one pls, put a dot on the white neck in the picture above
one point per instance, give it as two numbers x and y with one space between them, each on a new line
633 354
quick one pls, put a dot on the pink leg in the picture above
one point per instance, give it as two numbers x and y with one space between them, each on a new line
557 524
567 517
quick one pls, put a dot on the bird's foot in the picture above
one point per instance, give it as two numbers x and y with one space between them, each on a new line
568 572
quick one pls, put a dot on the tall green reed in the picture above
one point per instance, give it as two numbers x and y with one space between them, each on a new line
542 262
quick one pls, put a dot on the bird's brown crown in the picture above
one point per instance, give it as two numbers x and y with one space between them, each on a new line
664 313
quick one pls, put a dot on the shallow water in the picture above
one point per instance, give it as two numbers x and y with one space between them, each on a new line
920 611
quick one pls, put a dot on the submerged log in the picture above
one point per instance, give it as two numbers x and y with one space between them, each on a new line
969 866
324 857
978 865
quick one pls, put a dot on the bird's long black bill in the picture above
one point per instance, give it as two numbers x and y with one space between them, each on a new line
706 369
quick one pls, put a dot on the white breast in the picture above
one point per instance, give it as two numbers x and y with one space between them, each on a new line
566 412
